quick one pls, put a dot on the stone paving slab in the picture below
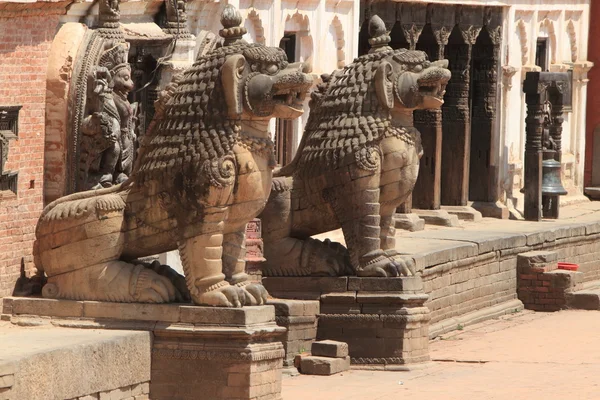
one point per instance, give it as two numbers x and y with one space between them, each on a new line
57 363
525 355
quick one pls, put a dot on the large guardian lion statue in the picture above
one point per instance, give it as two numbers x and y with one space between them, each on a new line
203 171
357 162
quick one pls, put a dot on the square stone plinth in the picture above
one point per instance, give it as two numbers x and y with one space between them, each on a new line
299 317
383 320
197 352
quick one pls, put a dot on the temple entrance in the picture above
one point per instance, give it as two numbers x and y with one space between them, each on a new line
284 129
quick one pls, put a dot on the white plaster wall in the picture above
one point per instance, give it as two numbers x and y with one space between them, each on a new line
565 24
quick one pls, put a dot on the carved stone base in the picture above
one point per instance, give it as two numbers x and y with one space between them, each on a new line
409 222
299 317
438 217
464 213
383 320
493 210
197 352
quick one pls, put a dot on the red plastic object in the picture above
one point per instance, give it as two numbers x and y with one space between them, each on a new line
568 266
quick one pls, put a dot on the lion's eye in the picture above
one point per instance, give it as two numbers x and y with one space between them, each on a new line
272 69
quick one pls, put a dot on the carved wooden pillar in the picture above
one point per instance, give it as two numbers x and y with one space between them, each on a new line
535 97
427 192
560 97
456 117
483 177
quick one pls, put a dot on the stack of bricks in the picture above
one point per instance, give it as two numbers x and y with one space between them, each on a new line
327 357
541 285
300 319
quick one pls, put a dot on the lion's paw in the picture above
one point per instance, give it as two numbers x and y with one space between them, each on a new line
255 293
153 288
223 296
386 264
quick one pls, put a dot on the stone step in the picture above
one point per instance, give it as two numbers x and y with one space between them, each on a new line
464 213
329 348
314 365
438 217
588 299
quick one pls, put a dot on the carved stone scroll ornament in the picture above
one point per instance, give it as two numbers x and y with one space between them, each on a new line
203 171
357 162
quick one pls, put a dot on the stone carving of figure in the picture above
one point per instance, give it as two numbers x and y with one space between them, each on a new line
108 146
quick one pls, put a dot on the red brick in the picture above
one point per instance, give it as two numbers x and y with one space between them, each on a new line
25 44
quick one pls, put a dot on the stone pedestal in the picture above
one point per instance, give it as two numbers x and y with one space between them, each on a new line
409 222
438 217
464 213
299 317
383 320
197 352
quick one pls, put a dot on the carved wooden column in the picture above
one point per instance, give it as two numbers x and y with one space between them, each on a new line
426 194
483 179
535 97
560 97
456 113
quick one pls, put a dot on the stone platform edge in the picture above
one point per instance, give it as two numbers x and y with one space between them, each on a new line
137 316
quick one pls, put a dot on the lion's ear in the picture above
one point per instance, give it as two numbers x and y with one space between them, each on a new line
384 86
231 77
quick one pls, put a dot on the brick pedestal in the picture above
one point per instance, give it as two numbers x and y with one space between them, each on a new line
299 317
541 286
197 352
383 320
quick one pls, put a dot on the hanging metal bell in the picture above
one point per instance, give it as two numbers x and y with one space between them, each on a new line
551 183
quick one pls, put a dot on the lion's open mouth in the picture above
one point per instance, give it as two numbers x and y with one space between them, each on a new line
435 89
291 98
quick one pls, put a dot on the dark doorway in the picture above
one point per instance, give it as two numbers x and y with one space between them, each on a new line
541 53
284 129
482 105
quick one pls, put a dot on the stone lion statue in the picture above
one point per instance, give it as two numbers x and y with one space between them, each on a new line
203 171
357 162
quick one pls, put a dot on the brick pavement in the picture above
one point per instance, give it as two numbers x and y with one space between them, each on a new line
525 355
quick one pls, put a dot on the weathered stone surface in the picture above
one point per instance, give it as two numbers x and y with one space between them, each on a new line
536 257
584 300
329 348
285 307
438 217
306 284
464 213
227 316
403 284
120 359
312 365
234 90
299 317
409 222
357 163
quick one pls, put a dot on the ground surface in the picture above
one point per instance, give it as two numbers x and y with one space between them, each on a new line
525 355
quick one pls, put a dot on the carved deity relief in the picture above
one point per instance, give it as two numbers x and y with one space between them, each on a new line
108 140
103 122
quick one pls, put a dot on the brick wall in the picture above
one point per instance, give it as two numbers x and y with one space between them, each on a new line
25 40
484 280
459 287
